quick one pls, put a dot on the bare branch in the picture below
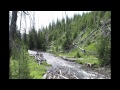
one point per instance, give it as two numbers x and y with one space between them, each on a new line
20 20
60 72
62 76
25 12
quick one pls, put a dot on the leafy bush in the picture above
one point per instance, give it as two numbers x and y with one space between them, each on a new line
45 64
24 67
88 42
78 55
19 65
90 60
104 51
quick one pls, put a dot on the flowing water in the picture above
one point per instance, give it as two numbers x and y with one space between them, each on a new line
58 62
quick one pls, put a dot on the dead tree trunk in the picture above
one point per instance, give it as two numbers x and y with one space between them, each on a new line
13 24
12 29
12 32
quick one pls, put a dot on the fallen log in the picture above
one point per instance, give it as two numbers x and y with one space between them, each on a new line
60 72
69 59
49 77
75 76
44 77
69 71
54 77
88 64
58 77
62 76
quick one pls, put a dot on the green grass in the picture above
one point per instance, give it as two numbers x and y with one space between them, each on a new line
72 53
91 47
85 35
34 70
45 64
90 56
37 71
89 60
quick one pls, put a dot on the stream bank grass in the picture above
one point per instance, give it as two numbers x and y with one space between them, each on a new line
30 70
89 60
37 71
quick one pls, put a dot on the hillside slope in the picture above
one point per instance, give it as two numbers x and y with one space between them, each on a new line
79 36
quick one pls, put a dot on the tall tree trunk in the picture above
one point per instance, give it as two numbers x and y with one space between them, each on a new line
12 29
12 33
13 24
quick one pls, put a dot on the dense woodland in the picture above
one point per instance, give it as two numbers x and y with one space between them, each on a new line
86 35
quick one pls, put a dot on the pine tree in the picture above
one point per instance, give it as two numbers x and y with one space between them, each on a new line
25 38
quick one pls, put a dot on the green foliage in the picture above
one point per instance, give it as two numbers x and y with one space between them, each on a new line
64 43
26 68
63 34
90 60
37 71
36 40
18 35
85 35
107 15
31 44
14 69
25 38
78 55
19 63
45 64
104 51
74 35
91 47
88 42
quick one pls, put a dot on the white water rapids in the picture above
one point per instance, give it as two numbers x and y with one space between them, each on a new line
59 62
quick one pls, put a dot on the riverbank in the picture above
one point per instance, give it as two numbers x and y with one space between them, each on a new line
92 60
69 69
